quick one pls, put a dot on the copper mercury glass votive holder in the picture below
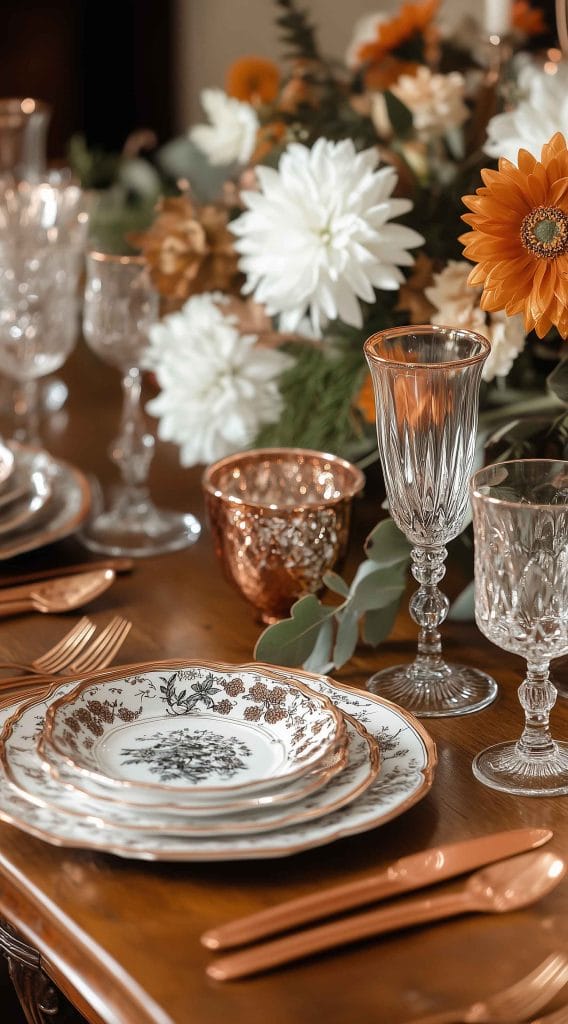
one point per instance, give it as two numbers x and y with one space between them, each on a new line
280 520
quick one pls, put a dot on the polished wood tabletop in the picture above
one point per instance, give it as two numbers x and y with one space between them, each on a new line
121 938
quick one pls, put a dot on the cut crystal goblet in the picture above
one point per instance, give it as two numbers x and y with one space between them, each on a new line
426 383
520 519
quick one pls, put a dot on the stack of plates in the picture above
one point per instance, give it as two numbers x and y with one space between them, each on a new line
186 760
41 499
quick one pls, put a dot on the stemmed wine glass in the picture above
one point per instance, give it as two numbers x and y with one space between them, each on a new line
520 520
42 236
426 383
120 306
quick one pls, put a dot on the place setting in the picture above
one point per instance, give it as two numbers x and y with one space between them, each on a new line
189 761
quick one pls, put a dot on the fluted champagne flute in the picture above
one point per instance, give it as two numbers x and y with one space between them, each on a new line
120 306
426 384
520 520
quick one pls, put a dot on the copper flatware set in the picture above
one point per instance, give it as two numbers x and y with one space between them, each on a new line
507 884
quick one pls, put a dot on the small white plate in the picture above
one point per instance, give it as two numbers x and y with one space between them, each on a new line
199 732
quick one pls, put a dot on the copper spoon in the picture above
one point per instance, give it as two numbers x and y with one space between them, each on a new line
508 885
60 595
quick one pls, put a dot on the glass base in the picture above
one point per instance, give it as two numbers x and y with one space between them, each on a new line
503 767
153 533
448 690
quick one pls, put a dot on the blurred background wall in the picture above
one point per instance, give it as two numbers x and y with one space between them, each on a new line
109 67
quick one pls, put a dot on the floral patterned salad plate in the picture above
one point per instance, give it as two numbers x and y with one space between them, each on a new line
285 793
20 759
408 760
202 731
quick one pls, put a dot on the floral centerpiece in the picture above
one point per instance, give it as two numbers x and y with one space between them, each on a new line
320 202
336 212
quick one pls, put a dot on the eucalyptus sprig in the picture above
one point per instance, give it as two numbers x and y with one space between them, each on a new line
322 637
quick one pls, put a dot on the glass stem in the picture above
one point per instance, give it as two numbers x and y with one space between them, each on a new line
428 605
25 394
537 696
133 449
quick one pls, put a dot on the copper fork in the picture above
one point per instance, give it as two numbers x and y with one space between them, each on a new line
96 655
61 654
514 1004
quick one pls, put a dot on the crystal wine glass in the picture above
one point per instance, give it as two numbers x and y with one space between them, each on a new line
42 235
520 519
23 130
426 383
120 305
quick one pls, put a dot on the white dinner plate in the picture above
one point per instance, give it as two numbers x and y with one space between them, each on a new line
199 732
64 513
407 770
26 503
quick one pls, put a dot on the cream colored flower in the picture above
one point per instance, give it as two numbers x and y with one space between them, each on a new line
231 135
456 304
435 101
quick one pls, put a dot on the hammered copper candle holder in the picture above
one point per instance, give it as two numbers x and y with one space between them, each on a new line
280 520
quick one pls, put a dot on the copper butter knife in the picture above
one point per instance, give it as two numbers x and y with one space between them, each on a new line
415 872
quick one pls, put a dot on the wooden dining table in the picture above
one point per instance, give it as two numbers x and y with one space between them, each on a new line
117 940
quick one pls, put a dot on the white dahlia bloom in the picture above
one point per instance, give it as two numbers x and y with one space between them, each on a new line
231 135
542 111
218 387
457 305
317 236
436 102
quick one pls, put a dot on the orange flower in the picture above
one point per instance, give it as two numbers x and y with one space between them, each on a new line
268 136
253 80
365 400
382 75
520 238
189 249
412 19
528 20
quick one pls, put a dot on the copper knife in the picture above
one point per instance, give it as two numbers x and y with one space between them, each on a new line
407 874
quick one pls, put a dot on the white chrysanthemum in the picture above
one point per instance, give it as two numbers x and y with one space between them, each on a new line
436 102
218 388
231 136
457 305
541 113
316 237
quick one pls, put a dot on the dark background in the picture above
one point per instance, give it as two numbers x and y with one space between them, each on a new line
106 68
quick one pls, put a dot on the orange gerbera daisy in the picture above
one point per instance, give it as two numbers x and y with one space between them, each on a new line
412 19
253 80
520 238
527 19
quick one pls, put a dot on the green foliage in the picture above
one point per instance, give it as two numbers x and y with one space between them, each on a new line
296 32
400 116
558 381
323 637
318 395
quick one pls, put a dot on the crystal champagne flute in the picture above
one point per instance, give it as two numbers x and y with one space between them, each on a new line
120 306
520 520
426 384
